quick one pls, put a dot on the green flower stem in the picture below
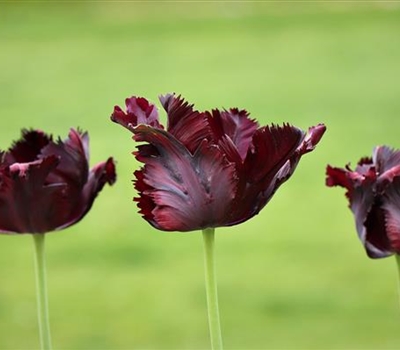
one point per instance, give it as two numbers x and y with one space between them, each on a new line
211 290
41 288
398 270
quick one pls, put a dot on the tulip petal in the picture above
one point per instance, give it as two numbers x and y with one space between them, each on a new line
272 147
236 125
308 144
138 111
365 167
187 125
73 153
312 138
99 175
231 152
189 192
145 202
282 148
391 205
386 159
27 203
28 148
386 165
374 233
344 178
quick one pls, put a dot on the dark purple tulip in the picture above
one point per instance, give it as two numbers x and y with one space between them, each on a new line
208 169
373 191
47 185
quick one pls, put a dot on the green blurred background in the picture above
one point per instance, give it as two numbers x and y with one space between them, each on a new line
295 276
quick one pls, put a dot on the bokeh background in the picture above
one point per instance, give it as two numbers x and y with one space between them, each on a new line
295 276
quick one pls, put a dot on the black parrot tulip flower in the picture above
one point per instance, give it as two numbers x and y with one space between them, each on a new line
373 191
208 169
47 185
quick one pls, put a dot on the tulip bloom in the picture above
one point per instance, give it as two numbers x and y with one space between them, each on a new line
373 191
47 186
208 169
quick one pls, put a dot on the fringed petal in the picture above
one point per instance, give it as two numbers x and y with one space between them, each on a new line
187 125
272 147
236 125
28 148
73 155
138 111
180 191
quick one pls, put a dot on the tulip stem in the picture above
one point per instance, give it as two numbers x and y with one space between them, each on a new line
398 270
41 290
211 289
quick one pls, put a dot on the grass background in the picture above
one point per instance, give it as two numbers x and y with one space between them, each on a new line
295 276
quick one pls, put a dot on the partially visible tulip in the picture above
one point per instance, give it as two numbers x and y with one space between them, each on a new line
373 191
47 185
